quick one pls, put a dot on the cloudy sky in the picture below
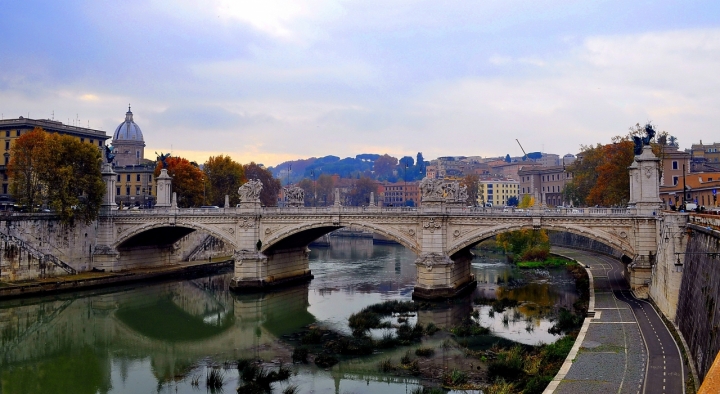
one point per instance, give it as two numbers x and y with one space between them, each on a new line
272 80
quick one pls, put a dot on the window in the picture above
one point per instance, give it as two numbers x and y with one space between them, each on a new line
138 178
7 133
137 154
127 190
118 179
82 139
118 190
99 143
674 165
18 133
7 145
127 179
675 180
5 188
92 141
137 190
7 159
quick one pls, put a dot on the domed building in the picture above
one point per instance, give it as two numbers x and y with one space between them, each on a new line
135 185
128 142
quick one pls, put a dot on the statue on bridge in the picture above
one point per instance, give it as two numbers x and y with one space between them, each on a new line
295 196
250 191
644 141
162 158
440 190
109 153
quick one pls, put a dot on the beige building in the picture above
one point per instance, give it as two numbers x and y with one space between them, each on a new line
545 182
673 163
497 191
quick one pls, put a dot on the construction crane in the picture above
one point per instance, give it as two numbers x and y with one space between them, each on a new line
523 150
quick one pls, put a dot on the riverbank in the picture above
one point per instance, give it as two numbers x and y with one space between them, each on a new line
89 280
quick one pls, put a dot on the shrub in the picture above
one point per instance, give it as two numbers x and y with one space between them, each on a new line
431 329
300 355
386 365
424 352
314 336
325 361
455 378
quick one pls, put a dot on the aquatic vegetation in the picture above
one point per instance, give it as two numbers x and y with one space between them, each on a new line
406 359
300 355
469 328
292 389
454 378
314 336
325 360
386 365
431 329
500 386
257 379
566 322
427 390
214 379
424 352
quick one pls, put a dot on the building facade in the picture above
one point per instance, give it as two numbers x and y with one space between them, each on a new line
400 194
12 129
545 183
496 191
135 185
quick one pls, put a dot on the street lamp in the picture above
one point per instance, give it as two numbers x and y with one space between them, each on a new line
405 185
312 174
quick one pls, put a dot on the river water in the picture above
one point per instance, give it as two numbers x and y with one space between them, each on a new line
159 337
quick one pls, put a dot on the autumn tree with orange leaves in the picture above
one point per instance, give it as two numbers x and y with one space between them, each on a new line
600 175
187 181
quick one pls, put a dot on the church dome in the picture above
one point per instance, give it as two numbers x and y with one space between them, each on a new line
128 130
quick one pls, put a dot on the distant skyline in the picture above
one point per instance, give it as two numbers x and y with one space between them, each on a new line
276 80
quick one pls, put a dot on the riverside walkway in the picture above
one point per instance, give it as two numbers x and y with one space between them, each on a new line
625 347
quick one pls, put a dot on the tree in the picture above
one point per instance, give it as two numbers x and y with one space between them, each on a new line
513 201
527 201
309 189
472 182
271 186
360 193
507 158
525 244
324 187
187 181
27 153
420 164
223 177
71 178
384 166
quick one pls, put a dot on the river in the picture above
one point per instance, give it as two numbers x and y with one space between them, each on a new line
159 337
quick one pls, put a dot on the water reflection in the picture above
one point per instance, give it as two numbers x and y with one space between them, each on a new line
154 338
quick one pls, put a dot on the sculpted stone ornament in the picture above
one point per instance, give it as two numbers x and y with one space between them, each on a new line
644 141
250 191
462 194
432 259
295 196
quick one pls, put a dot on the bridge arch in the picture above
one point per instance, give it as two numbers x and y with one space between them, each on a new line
302 235
177 231
476 236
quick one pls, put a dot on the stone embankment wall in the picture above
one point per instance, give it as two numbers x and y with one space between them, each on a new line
570 240
28 237
697 313
25 238
667 274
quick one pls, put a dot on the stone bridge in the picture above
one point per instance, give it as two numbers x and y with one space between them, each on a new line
270 244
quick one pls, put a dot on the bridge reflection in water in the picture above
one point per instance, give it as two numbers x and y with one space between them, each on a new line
143 337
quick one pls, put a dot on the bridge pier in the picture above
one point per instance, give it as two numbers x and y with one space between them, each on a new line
255 270
440 276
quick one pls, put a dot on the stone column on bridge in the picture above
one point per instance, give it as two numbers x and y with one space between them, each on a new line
164 190
644 202
109 177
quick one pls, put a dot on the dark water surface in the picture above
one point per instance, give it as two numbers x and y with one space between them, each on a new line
155 338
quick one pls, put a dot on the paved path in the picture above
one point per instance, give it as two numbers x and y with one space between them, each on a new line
626 347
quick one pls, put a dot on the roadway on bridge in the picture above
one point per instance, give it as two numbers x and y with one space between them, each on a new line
627 348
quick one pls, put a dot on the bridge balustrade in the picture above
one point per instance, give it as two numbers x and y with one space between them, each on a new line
461 211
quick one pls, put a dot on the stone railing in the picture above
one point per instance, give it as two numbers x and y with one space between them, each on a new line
704 220
451 210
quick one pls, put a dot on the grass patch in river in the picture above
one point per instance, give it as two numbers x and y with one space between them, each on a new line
550 262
